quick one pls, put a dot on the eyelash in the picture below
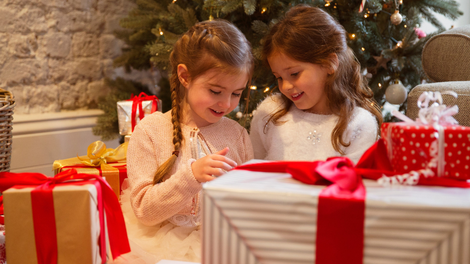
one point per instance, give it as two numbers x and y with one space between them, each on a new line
294 74
234 94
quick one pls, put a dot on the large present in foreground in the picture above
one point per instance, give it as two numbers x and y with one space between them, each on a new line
61 219
270 218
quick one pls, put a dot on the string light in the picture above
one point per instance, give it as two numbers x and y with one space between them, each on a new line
266 89
399 44
366 15
380 85
174 1
363 49
253 87
161 32
263 10
352 36
404 26
327 3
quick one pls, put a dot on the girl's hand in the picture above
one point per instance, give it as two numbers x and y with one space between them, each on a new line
212 165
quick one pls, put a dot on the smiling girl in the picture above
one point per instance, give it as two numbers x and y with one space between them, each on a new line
170 155
325 108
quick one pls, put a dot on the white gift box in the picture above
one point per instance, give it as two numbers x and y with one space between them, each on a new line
124 110
270 218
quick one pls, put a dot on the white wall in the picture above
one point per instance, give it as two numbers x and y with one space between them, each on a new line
39 139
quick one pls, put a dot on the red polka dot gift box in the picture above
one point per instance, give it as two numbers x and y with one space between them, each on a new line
444 150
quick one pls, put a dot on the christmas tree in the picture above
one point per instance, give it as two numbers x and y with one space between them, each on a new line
384 34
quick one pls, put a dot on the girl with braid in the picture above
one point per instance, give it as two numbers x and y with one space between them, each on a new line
171 155
325 107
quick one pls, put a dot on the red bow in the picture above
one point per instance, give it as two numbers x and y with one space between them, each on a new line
137 102
43 208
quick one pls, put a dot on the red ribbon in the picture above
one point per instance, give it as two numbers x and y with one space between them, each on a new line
43 211
137 102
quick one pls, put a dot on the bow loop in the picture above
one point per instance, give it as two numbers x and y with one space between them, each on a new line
432 111
99 155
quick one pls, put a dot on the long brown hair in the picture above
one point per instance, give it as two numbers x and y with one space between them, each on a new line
207 45
309 34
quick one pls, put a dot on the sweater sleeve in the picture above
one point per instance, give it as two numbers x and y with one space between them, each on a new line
152 204
362 134
248 147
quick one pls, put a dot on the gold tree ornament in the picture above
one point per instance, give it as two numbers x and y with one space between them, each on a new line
396 17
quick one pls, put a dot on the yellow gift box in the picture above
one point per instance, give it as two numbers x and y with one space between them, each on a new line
106 162
76 218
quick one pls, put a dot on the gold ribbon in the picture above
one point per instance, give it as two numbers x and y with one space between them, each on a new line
97 155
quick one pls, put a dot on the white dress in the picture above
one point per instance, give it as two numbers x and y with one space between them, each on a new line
307 136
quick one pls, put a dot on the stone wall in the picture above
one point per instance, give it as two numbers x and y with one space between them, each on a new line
55 54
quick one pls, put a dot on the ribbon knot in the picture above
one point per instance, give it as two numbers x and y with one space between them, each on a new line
99 155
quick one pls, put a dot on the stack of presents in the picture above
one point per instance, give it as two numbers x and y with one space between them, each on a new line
406 201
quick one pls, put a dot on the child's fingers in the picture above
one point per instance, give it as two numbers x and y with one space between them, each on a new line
223 152
227 160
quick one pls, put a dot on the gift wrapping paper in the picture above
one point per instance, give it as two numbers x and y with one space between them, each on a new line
410 148
77 225
270 218
124 110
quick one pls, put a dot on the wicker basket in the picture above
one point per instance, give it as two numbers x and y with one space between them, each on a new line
7 103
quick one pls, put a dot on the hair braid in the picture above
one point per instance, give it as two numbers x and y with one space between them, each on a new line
177 133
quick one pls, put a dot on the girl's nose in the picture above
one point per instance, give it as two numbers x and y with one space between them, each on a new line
286 85
225 102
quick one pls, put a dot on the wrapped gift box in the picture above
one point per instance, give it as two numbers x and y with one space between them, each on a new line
124 110
100 160
114 173
415 147
270 218
77 225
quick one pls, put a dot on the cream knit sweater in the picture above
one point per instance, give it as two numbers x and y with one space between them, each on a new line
151 145
307 136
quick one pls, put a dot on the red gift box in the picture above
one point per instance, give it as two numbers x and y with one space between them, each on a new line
443 149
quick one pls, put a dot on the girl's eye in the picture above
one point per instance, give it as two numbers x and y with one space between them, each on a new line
237 94
214 92
279 78
294 74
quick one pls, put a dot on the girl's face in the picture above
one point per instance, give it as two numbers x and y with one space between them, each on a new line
302 82
212 95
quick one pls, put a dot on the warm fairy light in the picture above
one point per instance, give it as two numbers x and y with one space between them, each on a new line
380 85
352 36
174 1
266 89
253 87
263 10
327 3
399 44
404 26
400 2
334 6
363 49
161 32
366 15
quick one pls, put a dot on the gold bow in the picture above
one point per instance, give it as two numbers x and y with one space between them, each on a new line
97 155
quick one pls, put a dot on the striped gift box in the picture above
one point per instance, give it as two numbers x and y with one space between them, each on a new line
255 217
